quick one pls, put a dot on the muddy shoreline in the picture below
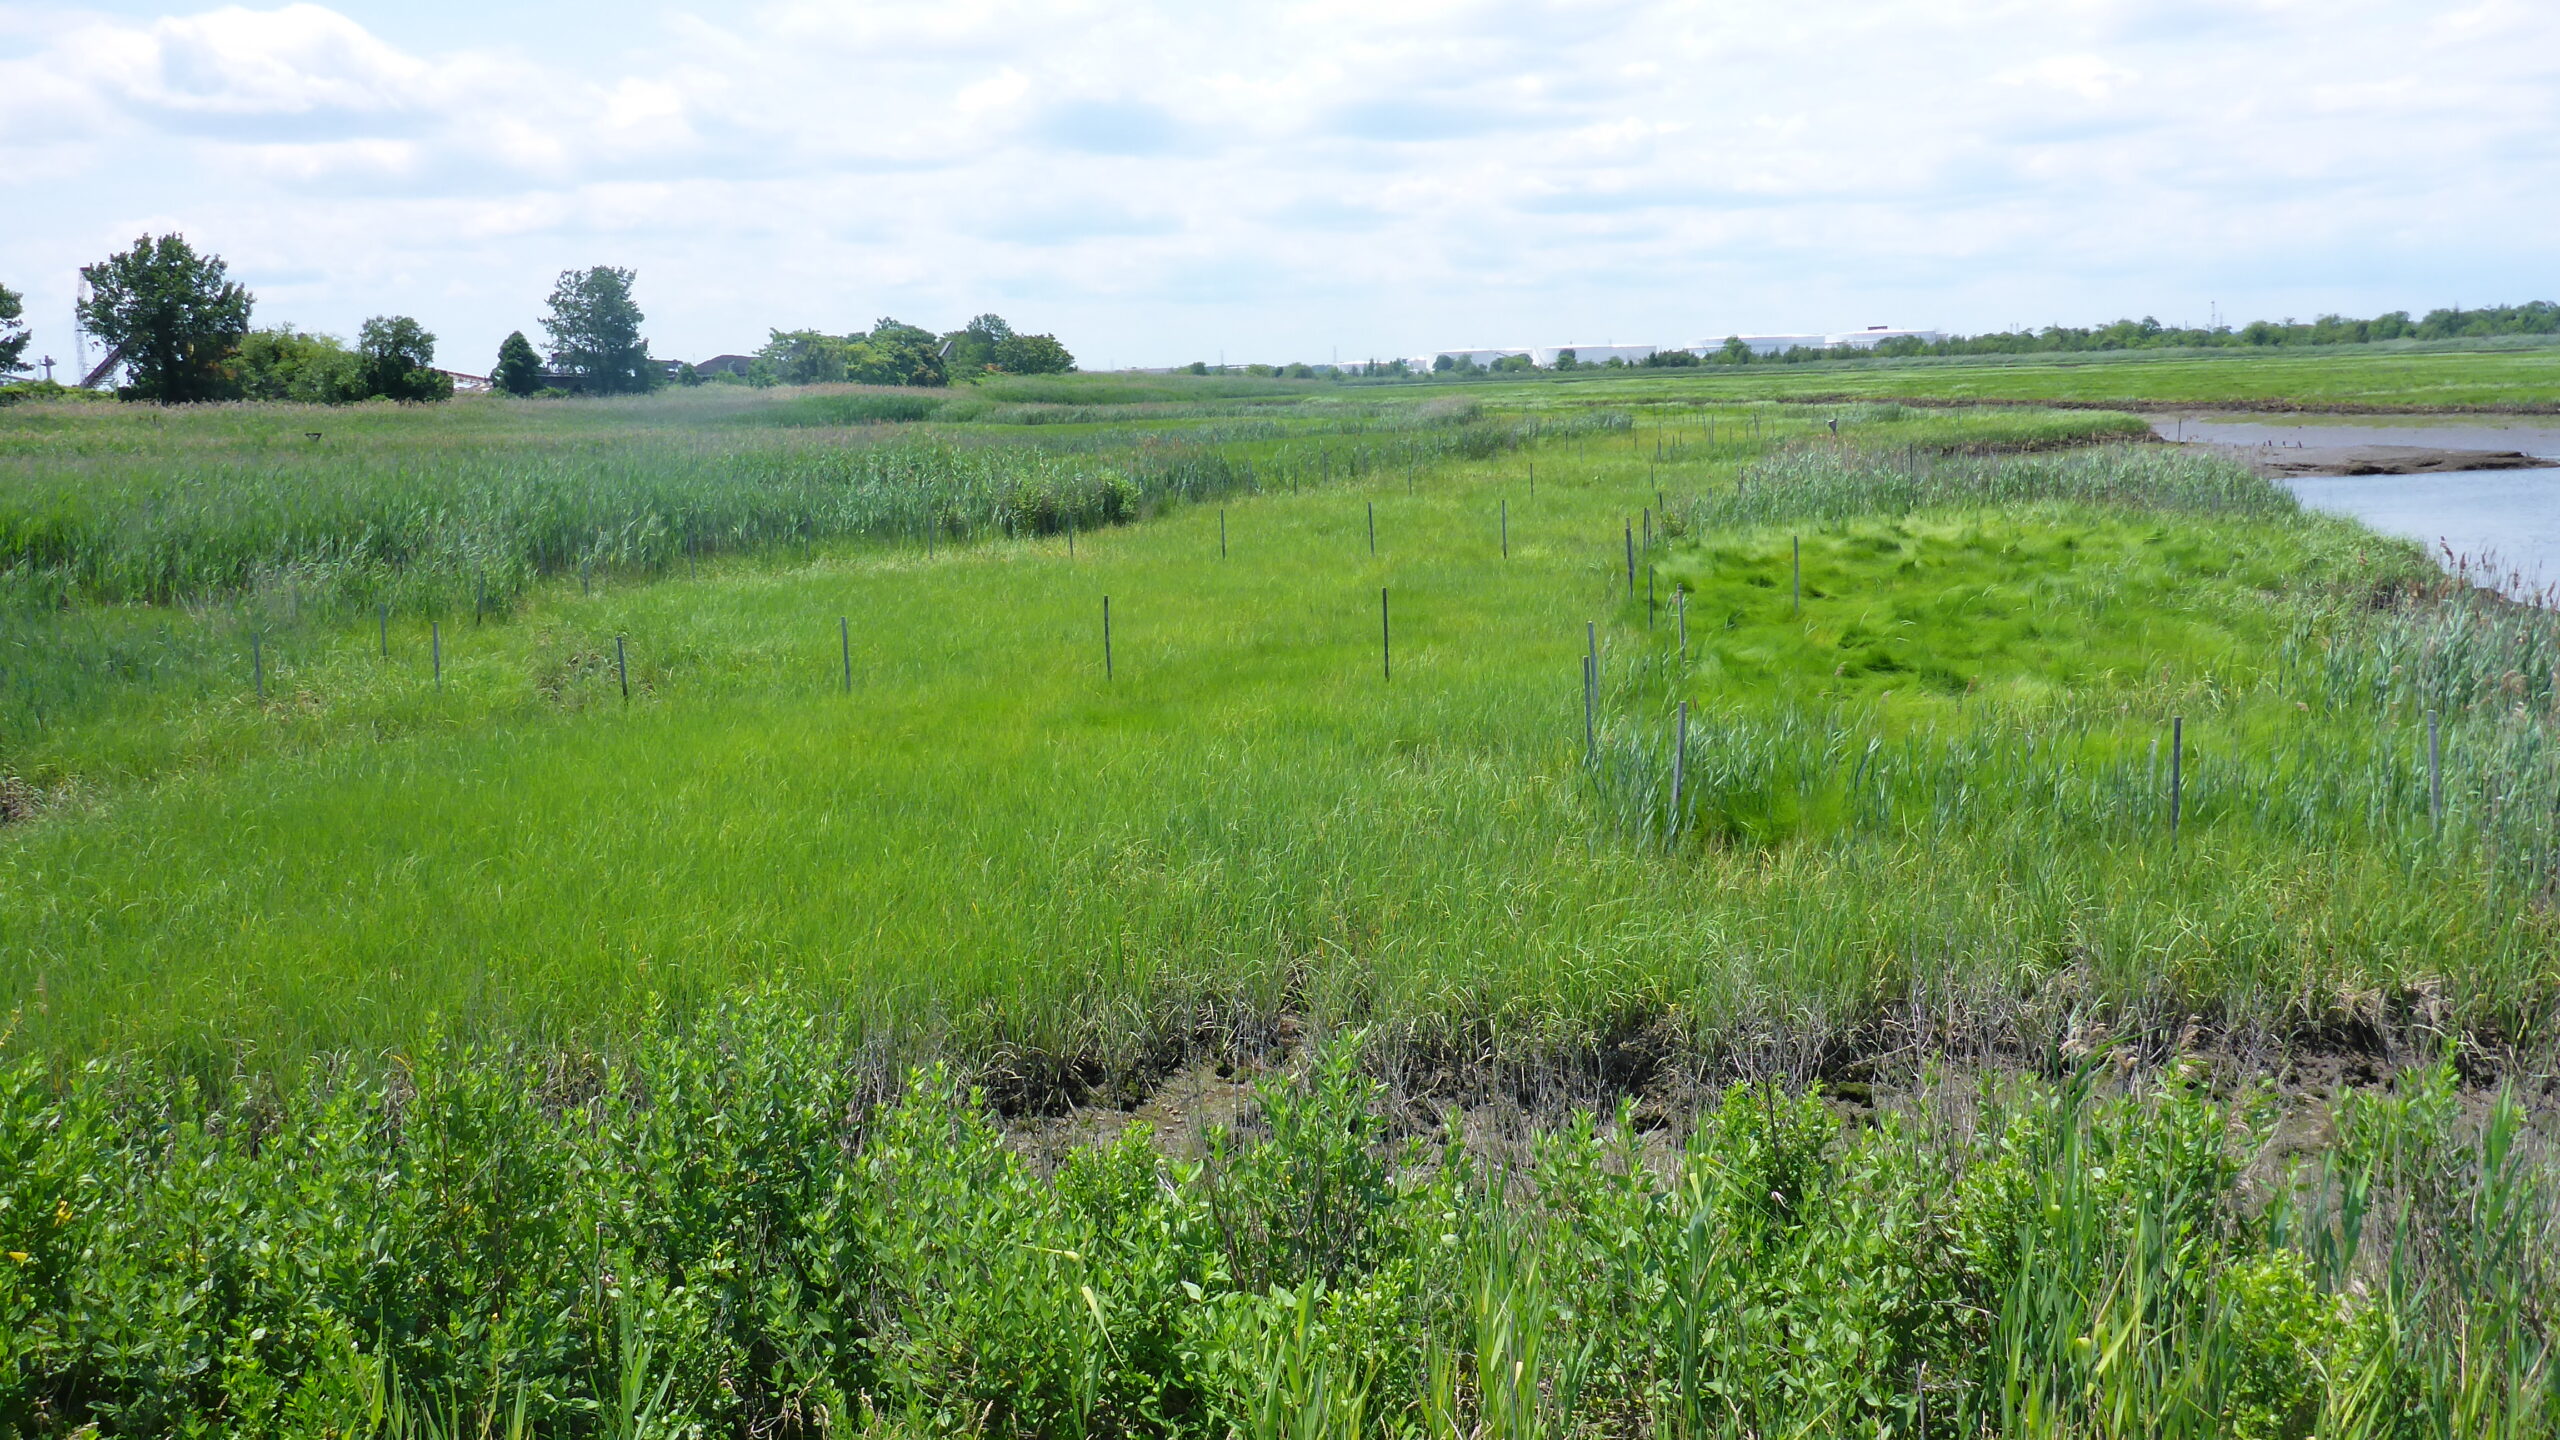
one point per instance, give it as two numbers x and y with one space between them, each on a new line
2282 463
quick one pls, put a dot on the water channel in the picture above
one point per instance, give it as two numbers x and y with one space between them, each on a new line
2505 523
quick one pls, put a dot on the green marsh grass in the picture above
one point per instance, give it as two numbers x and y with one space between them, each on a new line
396 1059
991 850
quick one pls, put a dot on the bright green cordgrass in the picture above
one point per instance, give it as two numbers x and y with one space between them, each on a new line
989 845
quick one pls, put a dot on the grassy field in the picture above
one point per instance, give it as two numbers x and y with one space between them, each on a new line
1248 817
475 885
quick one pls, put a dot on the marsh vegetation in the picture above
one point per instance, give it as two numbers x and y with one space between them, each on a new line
565 916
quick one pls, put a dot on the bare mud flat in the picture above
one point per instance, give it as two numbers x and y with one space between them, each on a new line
2285 464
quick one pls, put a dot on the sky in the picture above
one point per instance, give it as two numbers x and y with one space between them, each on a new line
1161 182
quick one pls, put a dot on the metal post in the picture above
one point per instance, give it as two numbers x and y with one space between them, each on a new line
844 637
2435 774
1590 709
1680 604
1373 527
382 616
1797 541
435 648
258 666
1386 646
1631 560
1222 532
621 667
1679 767
2177 771
1506 529
1106 637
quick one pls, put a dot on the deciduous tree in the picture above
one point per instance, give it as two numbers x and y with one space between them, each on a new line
399 360
896 353
972 347
1033 355
174 314
282 363
13 331
594 327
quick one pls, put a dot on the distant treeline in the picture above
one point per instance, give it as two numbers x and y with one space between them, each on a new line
2539 317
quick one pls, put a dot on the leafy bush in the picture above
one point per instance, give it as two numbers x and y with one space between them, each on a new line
734 1233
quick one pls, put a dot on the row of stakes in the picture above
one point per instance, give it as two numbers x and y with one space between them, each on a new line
844 624
1386 660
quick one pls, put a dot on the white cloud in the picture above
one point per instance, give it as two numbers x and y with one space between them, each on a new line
1157 180
2087 76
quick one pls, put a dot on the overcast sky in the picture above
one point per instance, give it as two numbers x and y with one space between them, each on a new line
1162 182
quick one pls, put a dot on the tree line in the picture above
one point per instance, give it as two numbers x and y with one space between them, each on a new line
892 352
177 327
2539 317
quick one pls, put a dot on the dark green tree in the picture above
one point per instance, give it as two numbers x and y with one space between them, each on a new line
1033 355
399 360
173 315
895 353
972 347
13 330
808 357
519 370
594 327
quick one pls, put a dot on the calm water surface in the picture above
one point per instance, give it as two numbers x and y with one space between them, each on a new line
2503 522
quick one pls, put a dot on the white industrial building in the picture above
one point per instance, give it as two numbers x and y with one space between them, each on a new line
1875 335
1544 356
1598 354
